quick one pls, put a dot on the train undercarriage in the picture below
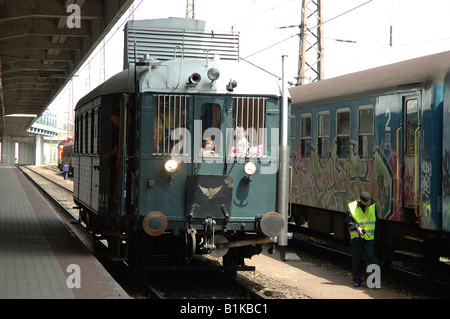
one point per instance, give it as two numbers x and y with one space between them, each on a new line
406 245
121 239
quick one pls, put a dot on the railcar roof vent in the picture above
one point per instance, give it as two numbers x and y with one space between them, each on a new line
159 38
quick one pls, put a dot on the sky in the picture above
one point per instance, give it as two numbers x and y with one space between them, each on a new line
419 28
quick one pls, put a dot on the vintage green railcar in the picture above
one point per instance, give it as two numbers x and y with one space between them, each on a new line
177 155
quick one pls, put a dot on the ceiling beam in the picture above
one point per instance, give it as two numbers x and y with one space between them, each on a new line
42 28
48 9
39 52
32 43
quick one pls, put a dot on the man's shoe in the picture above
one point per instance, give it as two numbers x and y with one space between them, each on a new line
357 284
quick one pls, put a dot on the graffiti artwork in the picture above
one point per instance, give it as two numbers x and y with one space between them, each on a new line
331 183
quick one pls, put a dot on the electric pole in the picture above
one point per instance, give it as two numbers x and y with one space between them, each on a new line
310 62
190 9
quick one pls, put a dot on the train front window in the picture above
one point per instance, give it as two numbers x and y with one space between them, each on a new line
170 113
211 119
249 127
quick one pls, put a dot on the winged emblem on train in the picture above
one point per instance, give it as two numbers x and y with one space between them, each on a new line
210 192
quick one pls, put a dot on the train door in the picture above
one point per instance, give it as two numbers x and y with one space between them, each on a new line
410 185
122 154
209 189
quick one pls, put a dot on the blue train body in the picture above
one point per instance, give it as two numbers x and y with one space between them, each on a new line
383 130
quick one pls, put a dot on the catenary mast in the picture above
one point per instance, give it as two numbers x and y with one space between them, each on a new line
310 63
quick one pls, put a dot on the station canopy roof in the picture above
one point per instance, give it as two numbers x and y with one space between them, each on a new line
43 43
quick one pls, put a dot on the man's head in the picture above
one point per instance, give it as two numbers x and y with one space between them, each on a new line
115 118
365 198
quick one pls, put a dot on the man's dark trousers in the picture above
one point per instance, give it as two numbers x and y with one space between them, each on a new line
361 248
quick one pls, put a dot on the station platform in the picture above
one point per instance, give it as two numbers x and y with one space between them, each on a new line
40 258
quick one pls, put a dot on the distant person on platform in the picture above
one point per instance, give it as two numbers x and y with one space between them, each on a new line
361 219
66 169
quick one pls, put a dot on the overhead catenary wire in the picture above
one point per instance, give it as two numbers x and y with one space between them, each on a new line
262 12
299 34
131 14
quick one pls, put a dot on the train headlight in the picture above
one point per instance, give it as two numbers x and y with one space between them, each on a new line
213 74
250 168
171 166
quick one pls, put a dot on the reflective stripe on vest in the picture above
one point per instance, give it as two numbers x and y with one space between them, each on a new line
365 220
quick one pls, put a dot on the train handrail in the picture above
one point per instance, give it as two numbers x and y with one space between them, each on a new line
182 60
398 167
290 193
416 167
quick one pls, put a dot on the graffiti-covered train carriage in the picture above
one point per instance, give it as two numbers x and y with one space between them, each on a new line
386 131
178 155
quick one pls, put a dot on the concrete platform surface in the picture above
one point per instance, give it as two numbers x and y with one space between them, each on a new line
40 258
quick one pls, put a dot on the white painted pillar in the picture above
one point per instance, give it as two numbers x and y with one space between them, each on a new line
6 148
39 149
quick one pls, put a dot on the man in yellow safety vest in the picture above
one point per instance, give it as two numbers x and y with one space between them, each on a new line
361 220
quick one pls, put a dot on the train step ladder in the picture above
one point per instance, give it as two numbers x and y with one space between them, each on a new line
409 253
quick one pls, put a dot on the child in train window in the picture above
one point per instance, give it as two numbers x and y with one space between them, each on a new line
208 147
241 145
249 122
211 120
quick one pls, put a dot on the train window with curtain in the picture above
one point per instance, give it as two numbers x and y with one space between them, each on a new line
170 113
323 120
343 134
412 114
365 134
248 124
305 128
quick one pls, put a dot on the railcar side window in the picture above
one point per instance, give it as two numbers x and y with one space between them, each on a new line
365 136
86 133
81 135
305 127
412 113
93 131
324 134
77 135
249 123
343 134
170 113
96 131
293 136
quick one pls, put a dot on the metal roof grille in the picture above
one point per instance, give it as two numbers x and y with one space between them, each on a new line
163 42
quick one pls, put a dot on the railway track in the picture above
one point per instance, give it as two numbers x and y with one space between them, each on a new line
395 274
155 285
140 285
